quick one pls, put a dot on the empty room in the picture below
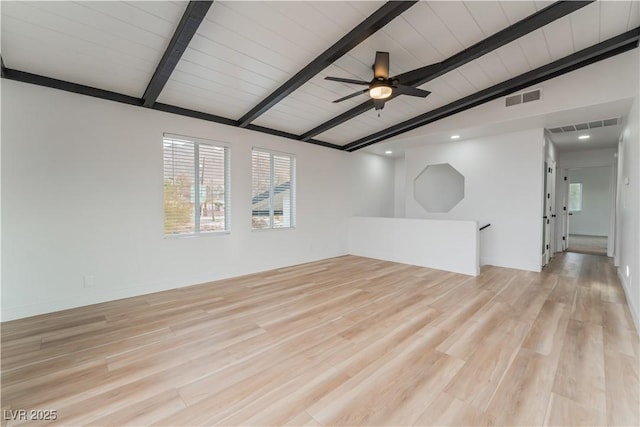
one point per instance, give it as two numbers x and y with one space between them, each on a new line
309 213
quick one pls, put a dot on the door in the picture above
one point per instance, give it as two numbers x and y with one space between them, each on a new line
565 211
548 214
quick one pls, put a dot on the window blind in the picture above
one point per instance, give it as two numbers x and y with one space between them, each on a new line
196 186
272 190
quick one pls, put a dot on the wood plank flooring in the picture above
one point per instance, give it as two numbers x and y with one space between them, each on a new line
344 341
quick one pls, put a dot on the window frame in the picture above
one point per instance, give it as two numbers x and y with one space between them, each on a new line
293 187
196 141
569 197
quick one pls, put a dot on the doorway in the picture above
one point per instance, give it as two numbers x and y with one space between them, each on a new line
589 204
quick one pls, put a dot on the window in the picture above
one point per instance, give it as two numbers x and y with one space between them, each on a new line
195 167
273 190
575 196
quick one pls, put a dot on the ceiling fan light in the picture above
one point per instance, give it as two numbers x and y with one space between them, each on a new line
380 92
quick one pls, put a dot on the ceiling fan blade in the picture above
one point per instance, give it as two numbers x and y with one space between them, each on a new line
381 66
360 92
411 91
340 79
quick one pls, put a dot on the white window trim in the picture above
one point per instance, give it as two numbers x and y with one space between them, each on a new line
294 179
227 181
581 196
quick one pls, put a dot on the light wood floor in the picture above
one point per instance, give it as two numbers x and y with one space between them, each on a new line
345 341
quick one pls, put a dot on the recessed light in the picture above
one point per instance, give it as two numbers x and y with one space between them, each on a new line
388 152
455 136
584 137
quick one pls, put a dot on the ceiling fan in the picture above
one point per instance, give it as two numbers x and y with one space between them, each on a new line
382 86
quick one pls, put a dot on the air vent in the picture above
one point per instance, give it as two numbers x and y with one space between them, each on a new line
531 96
513 100
522 98
585 126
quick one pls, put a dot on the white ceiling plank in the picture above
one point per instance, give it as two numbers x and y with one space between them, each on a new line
457 18
424 20
493 67
222 40
289 118
475 75
634 16
104 72
218 89
559 38
342 12
85 23
238 59
614 17
459 83
259 20
518 10
227 27
489 16
534 46
513 58
131 15
365 8
166 10
440 89
542 4
216 69
585 25
198 100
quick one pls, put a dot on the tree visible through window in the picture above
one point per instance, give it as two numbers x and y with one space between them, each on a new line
196 186
575 196
272 190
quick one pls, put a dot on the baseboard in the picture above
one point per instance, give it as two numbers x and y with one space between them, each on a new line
632 307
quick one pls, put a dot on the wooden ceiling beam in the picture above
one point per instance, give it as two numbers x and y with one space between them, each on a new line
187 28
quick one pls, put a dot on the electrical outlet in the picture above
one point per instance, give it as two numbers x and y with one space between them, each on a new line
89 281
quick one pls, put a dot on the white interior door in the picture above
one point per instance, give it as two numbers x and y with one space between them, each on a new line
551 191
547 217
565 211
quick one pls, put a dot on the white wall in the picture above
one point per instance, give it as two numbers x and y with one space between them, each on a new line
628 213
503 186
593 219
82 195
587 158
411 241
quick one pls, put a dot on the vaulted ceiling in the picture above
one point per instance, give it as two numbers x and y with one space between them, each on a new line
261 65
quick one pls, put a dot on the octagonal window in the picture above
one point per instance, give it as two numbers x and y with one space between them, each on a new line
438 188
